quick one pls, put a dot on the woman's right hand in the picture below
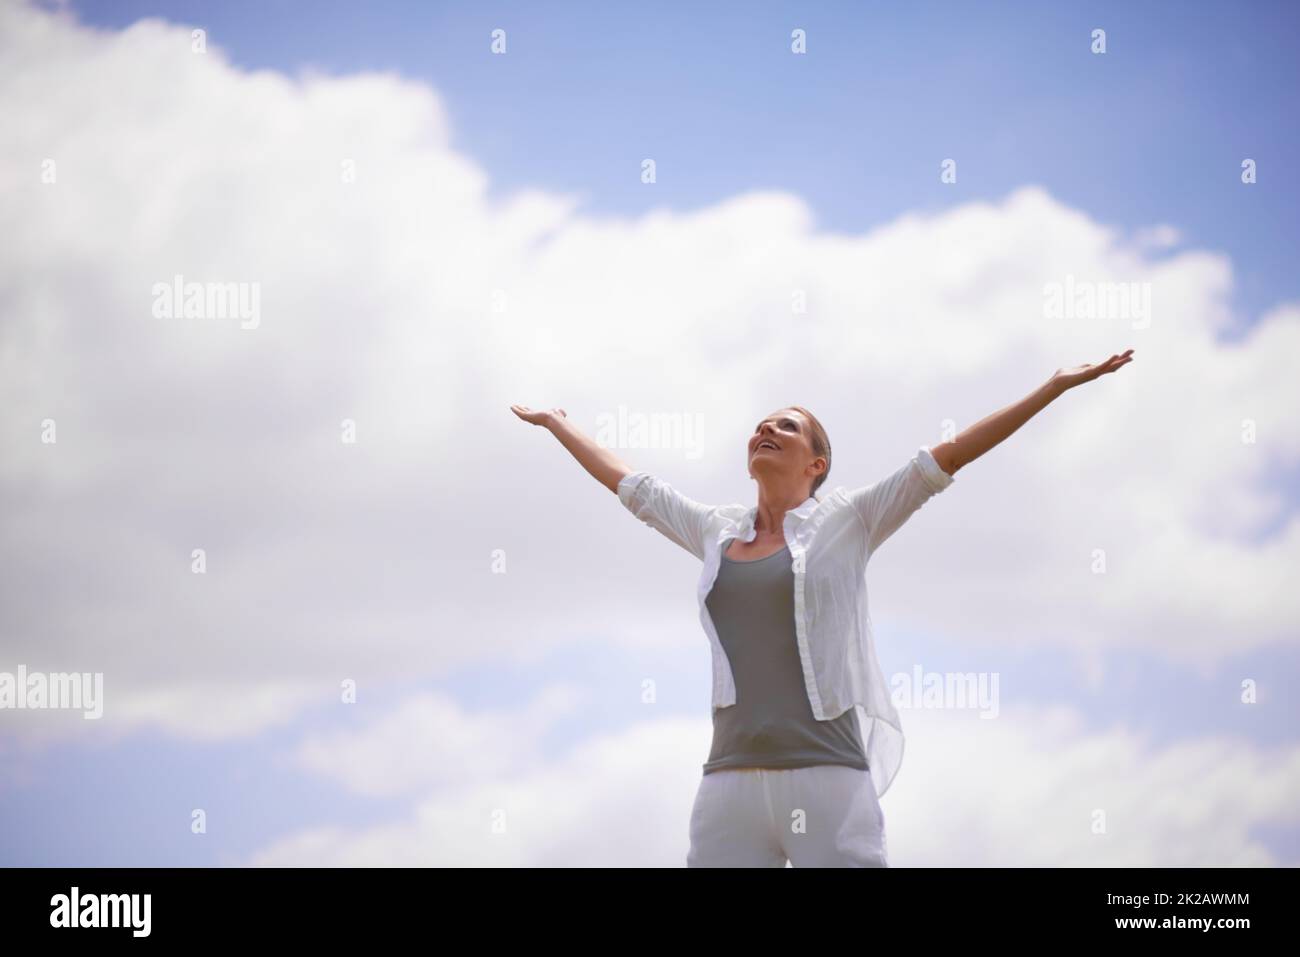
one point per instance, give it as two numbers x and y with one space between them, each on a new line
542 417
603 465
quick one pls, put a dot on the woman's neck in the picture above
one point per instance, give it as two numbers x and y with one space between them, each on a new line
773 505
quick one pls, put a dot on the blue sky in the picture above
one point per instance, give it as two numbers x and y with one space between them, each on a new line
1153 131
1150 133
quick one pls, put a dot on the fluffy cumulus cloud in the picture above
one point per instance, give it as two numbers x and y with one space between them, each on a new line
1030 788
615 799
453 746
398 294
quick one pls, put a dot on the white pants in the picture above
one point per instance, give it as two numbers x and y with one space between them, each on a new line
827 815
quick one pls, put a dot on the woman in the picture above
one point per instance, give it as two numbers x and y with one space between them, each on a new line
794 773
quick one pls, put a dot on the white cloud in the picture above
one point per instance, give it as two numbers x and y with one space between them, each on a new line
615 799
428 742
1024 790
1162 236
329 561
1020 790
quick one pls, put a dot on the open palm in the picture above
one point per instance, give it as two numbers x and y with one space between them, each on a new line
1069 378
536 416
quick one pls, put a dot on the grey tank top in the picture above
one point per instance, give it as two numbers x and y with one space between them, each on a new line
771 725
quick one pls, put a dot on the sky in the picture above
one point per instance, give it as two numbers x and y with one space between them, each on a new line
436 231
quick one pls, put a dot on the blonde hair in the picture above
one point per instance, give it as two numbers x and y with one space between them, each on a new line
821 444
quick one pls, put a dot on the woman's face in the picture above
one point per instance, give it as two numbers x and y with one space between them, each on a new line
781 447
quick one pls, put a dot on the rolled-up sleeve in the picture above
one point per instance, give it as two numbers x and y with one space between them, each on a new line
886 505
935 476
680 519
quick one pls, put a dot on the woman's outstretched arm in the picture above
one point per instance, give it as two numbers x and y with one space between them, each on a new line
604 466
990 430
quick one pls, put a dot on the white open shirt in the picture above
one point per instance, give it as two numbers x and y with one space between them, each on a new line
831 540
